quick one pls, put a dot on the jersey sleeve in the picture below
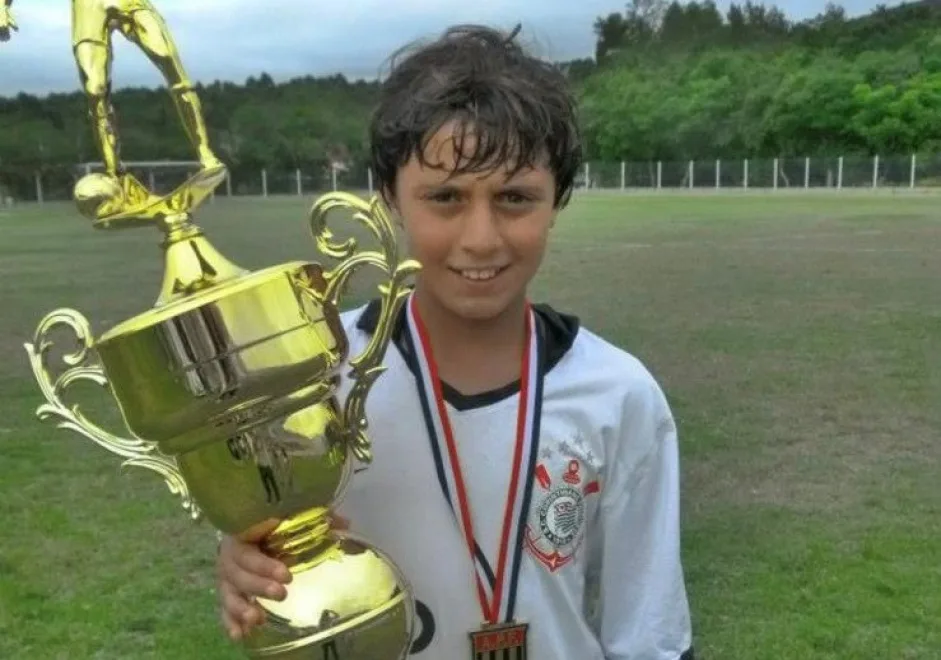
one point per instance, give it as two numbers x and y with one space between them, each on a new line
643 611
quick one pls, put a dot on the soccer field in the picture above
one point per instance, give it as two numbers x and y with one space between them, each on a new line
798 338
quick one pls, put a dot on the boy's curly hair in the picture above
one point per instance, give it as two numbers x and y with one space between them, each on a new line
517 107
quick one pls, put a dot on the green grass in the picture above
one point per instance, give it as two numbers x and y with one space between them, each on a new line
798 338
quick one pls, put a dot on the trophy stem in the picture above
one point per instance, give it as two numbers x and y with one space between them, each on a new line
191 262
303 540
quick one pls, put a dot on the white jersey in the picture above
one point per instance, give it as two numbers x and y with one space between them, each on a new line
600 577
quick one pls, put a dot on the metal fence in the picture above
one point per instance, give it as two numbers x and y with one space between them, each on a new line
916 171
837 173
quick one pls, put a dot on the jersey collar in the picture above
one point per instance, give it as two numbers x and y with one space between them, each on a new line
559 331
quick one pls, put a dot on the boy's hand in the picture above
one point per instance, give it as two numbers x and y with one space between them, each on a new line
6 23
246 573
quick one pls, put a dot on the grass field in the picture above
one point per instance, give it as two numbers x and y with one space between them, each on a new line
798 338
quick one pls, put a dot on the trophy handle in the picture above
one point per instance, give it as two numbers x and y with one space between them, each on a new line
367 366
137 452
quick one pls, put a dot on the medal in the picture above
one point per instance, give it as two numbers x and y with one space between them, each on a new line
501 637
500 642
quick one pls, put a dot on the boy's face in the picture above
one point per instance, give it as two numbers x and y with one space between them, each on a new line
480 237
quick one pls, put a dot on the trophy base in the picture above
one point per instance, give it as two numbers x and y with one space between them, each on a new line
137 206
346 600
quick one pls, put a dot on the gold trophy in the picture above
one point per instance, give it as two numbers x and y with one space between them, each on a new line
116 196
7 23
228 387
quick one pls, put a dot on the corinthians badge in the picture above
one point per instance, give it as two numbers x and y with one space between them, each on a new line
556 524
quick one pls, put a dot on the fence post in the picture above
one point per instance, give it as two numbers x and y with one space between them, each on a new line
587 175
39 196
806 173
369 178
718 172
659 174
623 175
839 173
333 176
297 179
875 171
775 184
264 182
690 175
228 183
911 173
745 176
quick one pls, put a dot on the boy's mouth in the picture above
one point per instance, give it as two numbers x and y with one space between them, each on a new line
479 274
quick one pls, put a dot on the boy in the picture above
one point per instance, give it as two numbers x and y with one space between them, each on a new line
521 463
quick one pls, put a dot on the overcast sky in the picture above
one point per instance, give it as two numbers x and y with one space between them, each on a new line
235 39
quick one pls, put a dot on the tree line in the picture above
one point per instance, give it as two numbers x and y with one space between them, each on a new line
683 81
668 81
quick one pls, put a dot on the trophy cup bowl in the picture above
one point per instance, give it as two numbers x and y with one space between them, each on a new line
228 387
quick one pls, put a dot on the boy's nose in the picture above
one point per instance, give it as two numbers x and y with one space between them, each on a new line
480 230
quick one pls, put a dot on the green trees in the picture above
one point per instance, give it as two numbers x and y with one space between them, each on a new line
698 84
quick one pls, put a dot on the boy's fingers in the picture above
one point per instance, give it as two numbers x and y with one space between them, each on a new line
248 583
232 628
254 565
252 616
239 615
234 607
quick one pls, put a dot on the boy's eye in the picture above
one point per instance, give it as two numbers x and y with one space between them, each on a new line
443 196
515 197
505 197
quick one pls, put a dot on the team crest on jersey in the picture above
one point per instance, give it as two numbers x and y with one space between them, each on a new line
556 525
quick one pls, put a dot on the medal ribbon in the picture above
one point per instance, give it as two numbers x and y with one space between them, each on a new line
496 593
